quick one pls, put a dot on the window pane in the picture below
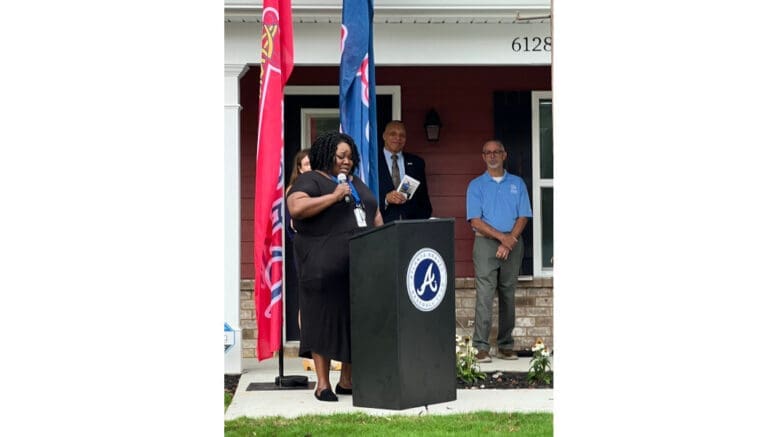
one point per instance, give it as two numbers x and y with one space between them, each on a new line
547 226
546 139
323 123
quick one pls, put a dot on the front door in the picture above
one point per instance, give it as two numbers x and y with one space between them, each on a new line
295 108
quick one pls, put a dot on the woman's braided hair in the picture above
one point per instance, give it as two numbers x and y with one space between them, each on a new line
322 152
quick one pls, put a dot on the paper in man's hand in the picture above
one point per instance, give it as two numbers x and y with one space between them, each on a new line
408 186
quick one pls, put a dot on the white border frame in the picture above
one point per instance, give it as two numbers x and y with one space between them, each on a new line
538 184
323 90
306 114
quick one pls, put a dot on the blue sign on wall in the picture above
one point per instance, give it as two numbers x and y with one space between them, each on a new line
229 337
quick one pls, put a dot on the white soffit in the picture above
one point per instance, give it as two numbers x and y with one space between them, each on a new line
407 32
404 11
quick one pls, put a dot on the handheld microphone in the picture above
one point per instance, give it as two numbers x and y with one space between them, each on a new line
341 179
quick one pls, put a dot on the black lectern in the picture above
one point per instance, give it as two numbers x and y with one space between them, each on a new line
403 315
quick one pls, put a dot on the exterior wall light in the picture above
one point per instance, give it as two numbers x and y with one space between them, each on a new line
432 124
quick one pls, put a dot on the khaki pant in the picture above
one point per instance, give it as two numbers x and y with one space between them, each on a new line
492 275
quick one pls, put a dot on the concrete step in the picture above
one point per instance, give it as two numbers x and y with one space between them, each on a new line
291 349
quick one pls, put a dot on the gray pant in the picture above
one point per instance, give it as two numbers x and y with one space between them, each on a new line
493 274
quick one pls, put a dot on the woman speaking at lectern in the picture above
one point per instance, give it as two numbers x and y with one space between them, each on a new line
328 205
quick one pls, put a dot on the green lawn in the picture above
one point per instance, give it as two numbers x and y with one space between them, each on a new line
482 423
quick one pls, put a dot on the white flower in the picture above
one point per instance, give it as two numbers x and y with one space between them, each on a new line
545 353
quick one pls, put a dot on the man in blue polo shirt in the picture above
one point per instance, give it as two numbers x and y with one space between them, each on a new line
498 210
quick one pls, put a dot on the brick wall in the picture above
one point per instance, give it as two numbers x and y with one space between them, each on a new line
533 314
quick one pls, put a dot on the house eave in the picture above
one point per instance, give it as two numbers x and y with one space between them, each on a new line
403 12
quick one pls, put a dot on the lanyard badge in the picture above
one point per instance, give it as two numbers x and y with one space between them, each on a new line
358 211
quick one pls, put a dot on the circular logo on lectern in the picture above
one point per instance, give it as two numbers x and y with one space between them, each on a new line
427 278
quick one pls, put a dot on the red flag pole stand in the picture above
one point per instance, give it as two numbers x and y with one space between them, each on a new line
290 381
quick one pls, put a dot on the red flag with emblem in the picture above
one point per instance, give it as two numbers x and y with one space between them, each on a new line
277 63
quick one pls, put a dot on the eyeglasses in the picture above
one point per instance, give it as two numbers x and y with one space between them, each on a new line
493 152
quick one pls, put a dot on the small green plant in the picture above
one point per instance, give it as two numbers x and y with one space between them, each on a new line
227 399
539 370
467 368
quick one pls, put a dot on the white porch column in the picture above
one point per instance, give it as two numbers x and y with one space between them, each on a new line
233 353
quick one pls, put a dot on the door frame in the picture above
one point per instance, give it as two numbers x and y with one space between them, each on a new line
322 90
395 91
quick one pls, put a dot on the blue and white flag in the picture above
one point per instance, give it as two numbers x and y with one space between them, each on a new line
357 87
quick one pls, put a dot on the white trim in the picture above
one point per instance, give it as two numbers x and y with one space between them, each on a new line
232 74
305 116
538 184
429 43
324 90
311 90
417 43
509 11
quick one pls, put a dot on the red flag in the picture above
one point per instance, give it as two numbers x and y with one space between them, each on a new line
277 63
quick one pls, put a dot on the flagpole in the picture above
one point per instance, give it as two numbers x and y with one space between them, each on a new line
277 62
292 381
281 352
280 363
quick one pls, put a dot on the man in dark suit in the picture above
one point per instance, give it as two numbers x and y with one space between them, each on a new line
393 165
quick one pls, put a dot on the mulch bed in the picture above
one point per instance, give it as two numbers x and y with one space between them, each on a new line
504 380
497 380
230 383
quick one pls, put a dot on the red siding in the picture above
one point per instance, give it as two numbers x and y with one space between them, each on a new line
463 96
249 93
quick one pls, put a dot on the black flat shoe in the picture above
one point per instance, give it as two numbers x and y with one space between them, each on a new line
326 395
343 391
